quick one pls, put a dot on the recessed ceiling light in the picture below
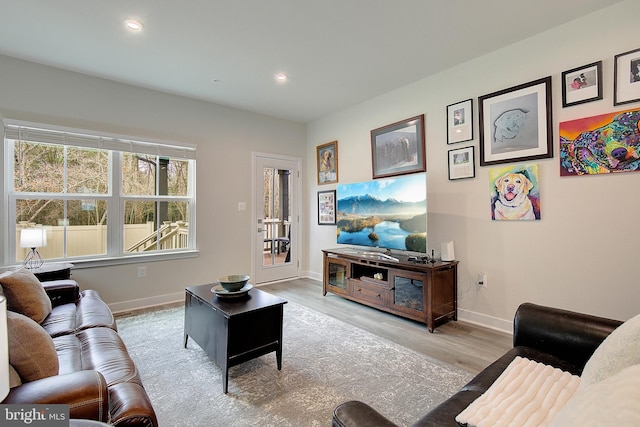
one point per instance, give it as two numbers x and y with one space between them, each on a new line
281 77
133 24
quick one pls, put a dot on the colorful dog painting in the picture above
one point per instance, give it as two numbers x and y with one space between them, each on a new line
514 193
607 143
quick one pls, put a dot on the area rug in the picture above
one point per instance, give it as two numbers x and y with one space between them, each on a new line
325 362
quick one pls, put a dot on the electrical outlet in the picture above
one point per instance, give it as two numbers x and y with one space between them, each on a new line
142 271
482 280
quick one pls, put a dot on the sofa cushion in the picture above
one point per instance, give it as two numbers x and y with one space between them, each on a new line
99 349
88 312
25 294
610 402
619 350
31 350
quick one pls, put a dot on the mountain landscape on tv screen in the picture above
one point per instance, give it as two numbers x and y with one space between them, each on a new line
365 219
371 205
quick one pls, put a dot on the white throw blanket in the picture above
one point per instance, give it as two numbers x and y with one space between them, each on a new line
527 393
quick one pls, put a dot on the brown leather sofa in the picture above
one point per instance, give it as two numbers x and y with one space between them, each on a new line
560 338
95 374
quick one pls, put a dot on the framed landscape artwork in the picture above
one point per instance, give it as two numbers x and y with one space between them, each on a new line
398 148
515 123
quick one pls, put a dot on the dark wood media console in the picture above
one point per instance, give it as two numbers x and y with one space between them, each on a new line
425 292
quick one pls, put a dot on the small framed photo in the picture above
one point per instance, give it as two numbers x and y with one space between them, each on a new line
516 124
398 148
327 162
327 207
462 163
626 77
582 84
460 122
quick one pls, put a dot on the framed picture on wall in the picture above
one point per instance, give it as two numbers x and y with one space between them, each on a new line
327 207
462 163
626 77
327 162
460 122
398 148
582 84
515 123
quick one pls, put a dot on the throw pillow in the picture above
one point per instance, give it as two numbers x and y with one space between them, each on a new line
618 351
26 295
610 402
31 350
14 378
526 393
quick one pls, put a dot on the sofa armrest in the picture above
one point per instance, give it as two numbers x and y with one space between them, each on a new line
354 414
84 391
62 291
565 334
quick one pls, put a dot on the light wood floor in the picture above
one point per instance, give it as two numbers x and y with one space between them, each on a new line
467 346
464 345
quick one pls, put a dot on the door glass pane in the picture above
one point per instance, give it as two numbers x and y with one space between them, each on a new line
408 293
277 216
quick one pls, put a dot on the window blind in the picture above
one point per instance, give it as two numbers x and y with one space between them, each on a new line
43 134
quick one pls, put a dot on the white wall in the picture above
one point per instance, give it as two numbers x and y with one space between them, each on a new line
583 254
564 260
225 138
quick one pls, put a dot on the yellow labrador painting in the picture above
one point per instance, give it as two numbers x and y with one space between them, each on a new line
515 194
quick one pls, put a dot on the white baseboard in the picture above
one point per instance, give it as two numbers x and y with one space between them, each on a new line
486 321
312 275
480 319
137 304
142 303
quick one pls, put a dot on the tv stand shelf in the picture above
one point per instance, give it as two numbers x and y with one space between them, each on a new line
423 292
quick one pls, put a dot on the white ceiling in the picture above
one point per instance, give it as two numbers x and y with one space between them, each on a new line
337 53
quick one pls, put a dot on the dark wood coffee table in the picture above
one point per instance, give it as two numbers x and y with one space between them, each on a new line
233 330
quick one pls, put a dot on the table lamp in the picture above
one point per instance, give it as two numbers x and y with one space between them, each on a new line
33 238
4 350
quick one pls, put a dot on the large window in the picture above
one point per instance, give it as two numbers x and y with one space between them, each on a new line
97 196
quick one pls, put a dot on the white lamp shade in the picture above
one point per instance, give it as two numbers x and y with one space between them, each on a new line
33 237
4 350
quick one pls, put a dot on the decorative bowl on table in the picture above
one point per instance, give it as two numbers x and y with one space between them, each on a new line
234 282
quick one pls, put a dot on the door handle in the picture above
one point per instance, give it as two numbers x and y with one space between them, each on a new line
260 230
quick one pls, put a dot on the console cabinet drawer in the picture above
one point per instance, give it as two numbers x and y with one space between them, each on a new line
376 294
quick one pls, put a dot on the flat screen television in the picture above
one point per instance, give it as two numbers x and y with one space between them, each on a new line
388 213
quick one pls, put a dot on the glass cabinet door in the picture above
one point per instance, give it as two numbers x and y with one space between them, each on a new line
408 292
337 273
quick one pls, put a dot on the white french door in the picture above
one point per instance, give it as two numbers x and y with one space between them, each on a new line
276 217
